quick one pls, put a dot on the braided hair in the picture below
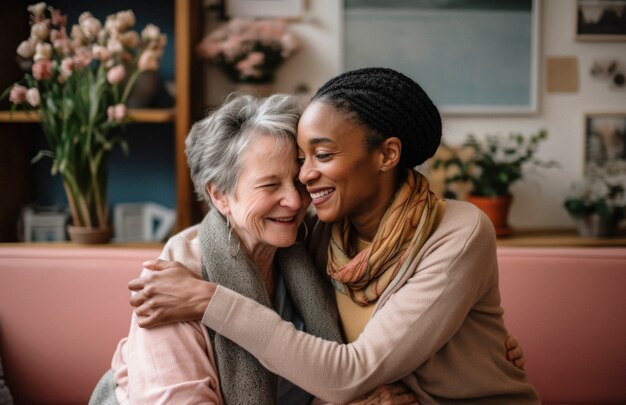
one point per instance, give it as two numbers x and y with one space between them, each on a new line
387 103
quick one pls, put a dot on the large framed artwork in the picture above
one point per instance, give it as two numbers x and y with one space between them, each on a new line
605 141
264 8
600 20
471 57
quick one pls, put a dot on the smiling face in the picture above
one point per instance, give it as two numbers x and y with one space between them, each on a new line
268 203
344 179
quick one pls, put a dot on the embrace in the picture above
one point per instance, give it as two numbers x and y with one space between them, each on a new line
378 293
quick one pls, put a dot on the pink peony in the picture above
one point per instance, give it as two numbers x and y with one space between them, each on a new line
116 74
42 69
32 97
18 94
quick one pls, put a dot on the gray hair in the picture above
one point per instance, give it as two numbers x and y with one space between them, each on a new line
215 144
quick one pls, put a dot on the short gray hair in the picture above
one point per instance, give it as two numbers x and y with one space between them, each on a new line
215 144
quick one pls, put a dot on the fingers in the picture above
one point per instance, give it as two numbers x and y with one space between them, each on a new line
511 342
136 284
159 264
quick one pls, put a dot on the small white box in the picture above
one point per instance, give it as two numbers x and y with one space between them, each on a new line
142 222
44 223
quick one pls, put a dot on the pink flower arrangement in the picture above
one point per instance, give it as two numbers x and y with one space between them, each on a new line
79 80
249 50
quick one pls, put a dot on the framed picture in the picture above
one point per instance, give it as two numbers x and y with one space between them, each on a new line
471 57
601 20
291 9
605 141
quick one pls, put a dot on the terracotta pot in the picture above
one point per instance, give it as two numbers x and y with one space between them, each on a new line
497 209
88 235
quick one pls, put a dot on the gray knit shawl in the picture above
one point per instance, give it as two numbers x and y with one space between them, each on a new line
243 379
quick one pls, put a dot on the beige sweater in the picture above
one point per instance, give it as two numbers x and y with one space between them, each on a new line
440 329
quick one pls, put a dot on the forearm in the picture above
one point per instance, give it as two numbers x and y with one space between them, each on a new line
389 349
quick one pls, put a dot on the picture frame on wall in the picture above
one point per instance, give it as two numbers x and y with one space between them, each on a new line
289 9
491 69
605 141
600 20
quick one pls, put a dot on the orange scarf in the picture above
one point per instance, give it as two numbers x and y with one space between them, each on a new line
406 225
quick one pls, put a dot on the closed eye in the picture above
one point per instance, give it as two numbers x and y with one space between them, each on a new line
323 156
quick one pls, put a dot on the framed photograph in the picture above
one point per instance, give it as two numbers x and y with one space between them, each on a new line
291 9
601 20
471 57
605 141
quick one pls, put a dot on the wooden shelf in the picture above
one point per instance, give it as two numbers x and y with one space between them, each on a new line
558 238
143 115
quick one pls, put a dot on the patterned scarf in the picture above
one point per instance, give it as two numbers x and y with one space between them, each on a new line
407 224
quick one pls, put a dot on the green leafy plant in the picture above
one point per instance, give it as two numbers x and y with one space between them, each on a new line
597 193
492 165
78 83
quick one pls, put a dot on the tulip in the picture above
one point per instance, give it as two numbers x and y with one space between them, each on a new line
124 20
116 112
40 30
67 67
116 74
43 51
18 94
151 32
149 60
37 9
32 97
42 69
26 49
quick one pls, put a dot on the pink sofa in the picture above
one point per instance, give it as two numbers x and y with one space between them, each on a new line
63 310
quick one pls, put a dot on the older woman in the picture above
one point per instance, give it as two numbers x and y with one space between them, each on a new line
243 160
415 277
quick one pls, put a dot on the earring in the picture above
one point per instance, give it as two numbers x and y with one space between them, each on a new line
231 249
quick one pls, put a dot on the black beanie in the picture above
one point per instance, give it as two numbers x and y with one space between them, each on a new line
388 104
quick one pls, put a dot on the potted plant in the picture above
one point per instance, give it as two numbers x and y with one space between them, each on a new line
490 167
597 202
249 51
78 82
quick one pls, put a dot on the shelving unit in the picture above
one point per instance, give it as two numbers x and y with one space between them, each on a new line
186 28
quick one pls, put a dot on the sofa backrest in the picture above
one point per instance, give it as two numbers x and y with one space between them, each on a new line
567 306
62 312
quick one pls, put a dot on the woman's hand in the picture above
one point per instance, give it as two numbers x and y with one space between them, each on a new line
514 352
172 294
396 393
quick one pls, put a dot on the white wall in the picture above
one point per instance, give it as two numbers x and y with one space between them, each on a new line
538 198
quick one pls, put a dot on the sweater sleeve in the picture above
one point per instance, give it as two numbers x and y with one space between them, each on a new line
413 324
171 364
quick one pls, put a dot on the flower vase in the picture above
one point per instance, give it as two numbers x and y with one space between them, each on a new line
86 193
255 89
89 235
